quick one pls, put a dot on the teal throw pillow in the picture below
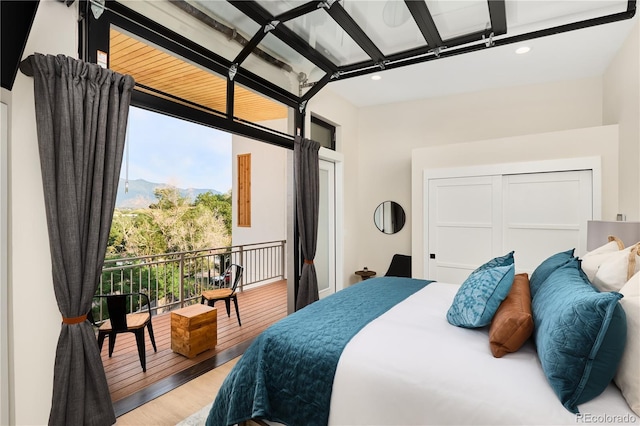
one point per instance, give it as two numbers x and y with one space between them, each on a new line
580 335
479 297
546 268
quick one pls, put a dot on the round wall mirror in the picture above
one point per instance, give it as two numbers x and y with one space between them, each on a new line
389 217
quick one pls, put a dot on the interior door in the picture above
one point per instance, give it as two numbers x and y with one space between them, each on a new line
325 260
473 219
545 213
463 232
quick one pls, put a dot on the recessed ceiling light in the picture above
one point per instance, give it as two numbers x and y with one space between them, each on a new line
522 50
376 77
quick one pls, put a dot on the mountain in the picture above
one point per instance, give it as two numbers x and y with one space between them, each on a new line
140 193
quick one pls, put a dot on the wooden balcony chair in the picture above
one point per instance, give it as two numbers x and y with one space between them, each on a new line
226 290
122 322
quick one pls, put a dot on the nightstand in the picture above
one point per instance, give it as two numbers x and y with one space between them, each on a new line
365 275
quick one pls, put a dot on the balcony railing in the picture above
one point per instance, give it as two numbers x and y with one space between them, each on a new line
174 280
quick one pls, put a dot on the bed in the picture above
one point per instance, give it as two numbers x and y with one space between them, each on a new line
383 352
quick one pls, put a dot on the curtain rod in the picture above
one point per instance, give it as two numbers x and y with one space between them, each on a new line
26 66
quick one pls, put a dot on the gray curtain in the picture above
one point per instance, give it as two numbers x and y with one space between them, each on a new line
81 118
307 181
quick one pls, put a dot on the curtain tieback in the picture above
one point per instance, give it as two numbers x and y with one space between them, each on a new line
76 320
308 262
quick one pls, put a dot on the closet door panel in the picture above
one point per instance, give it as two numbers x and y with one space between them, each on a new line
463 234
545 213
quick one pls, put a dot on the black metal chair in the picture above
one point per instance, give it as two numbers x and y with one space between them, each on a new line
120 321
400 266
226 290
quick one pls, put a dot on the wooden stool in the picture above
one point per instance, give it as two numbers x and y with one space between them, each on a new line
194 329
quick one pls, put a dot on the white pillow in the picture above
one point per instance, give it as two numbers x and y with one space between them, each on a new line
592 260
617 269
628 375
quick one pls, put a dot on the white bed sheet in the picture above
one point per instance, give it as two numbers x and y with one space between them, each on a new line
411 367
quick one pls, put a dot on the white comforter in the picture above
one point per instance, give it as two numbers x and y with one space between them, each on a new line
411 367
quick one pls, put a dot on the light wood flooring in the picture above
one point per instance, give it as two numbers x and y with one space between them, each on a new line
180 403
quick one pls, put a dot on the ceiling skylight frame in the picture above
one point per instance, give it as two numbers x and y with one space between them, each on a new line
435 47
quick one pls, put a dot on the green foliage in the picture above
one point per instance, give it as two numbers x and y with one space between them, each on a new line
219 204
173 224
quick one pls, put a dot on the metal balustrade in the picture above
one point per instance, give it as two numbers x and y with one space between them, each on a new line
174 280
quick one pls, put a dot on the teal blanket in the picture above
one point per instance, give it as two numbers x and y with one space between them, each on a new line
286 375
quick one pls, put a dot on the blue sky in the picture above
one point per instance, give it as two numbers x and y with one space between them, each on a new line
169 150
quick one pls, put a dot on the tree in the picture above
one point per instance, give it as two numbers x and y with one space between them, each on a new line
134 233
219 204
171 224
185 226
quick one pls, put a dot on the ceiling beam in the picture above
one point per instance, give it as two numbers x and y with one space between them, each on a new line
349 25
256 12
229 32
498 15
250 47
251 130
424 20
420 55
316 88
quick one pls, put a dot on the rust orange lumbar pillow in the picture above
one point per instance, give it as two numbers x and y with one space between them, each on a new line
512 324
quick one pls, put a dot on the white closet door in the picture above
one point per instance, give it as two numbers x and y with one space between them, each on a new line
464 225
545 213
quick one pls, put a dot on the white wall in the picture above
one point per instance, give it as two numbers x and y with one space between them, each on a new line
599 142
387 134
34 319
4 275
621 102
268 189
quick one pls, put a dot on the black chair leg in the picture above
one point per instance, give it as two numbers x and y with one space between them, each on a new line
227 302
101 337
141 352
112 342
153 340
235 302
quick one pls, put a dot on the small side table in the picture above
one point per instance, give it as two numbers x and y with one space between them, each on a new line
365 275
194 329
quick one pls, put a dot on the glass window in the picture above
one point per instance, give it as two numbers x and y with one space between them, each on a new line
388 24
327 37
323 132
458 18
215 25
283 66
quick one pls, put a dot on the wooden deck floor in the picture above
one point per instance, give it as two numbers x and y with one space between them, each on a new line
259 308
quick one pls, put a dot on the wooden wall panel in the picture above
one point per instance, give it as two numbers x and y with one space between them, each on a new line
244 190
